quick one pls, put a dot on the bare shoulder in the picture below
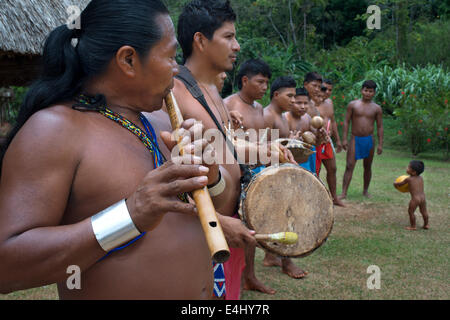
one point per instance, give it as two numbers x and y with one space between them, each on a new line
259 107
354 103
189 106
230 99
50 143
55 126
231 102
377 107
268 116
328 106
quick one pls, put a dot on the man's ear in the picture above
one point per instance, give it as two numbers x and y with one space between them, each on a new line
127 60
200 41
244 80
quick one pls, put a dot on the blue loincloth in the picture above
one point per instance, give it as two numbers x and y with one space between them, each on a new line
363 146
257 170
310 164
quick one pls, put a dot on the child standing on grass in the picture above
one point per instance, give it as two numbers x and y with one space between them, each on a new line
415 183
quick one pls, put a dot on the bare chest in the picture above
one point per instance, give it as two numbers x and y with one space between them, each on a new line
364 111
112 166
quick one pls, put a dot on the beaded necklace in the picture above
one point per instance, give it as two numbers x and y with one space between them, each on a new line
148 138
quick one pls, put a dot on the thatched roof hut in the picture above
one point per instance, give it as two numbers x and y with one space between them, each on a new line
24 26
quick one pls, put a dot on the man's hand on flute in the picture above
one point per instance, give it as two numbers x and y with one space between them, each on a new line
158 191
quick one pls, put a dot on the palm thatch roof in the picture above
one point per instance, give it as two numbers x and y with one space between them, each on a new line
25 24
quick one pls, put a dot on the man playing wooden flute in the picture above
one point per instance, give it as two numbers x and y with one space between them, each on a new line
84 181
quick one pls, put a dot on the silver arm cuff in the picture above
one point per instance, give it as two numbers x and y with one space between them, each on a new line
113 226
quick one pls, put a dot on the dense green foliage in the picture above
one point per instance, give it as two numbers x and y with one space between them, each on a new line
408 54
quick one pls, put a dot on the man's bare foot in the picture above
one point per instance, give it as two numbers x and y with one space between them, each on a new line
426 227
338 202
342 197
292 270
367 195
256 285
271 261
411 228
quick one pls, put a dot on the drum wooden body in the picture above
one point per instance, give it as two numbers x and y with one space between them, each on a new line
288 198
300 150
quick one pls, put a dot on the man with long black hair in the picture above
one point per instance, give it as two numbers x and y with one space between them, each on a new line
84 175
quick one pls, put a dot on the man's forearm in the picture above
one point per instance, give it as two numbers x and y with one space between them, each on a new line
41 256
345 133
336 133
380 132
228 195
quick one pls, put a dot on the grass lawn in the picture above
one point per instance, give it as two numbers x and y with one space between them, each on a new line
414 265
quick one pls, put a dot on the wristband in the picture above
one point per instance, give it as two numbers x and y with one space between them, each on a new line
218 187
113 226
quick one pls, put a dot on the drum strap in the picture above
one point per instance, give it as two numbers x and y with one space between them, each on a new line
191 84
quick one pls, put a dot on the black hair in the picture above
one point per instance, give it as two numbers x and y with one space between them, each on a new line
281 83
301 92
205 16
106 26
369 84
312 76
418 166
251 68
328 81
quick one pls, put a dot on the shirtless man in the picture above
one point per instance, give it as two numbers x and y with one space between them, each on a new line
298 118
210 47
282 99
66 165
325 152
253 79
362 113
299 122
282 95
328 85
313 84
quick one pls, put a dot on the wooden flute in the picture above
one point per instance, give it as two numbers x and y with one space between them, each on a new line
206 212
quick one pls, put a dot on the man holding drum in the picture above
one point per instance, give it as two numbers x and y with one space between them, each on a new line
207 36
282 94
253 80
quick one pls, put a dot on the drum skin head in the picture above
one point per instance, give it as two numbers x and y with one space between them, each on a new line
289 198
300 150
